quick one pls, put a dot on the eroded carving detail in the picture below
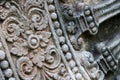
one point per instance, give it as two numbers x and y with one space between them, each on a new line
26 29
87 60
44 39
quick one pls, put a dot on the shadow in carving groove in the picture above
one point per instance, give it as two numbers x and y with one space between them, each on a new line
1 21
107 31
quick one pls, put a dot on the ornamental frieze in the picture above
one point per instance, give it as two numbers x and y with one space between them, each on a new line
59 40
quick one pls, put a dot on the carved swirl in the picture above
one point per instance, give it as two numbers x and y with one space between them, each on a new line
19 48
49 59
11 29
38 18
33 41
52 57
26 70
29 38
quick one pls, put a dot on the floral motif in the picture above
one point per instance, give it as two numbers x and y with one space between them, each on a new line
3 12
38 18
26 70
33 41
19 48
26 29
11 29
47 61
40 38
44 37
49 58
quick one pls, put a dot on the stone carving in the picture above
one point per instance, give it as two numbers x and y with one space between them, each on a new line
87 60
44 40
26 31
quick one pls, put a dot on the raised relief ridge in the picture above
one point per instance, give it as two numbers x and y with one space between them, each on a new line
43 40
28 42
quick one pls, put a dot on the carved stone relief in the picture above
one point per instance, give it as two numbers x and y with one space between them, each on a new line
59 39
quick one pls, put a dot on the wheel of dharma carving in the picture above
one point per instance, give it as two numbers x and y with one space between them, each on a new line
59 40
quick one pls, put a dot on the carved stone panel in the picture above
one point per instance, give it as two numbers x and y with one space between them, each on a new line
59 39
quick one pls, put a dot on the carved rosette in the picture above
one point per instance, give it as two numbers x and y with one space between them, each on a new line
30 45
44 40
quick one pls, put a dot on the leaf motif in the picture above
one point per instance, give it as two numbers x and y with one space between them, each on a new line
45 36
41 27
43 44
19 49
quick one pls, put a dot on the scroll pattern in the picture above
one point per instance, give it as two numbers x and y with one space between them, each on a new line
26 30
